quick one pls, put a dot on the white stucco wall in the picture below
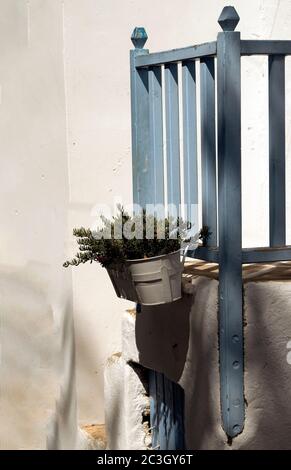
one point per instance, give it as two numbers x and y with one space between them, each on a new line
181 340
65 146
36 304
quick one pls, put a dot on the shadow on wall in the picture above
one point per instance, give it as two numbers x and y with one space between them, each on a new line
268 375
37 361
62 430
181 340
162 336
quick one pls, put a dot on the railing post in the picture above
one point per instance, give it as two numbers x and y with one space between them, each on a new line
229 221
139 121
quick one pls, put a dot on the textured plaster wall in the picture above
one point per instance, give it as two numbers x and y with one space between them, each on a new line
65 146
37 367
188 354
126 404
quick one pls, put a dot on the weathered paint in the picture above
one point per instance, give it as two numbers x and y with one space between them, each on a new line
277 149
190 140
230 232
208 148
172 136
140 128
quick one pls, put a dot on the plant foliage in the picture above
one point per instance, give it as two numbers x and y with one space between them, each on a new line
155 237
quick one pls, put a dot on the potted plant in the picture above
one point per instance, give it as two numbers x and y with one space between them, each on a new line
140 253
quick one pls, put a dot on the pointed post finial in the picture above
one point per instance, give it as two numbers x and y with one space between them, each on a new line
228 19
139 37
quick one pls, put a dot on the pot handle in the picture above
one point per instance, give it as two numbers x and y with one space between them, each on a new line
191 244
187 243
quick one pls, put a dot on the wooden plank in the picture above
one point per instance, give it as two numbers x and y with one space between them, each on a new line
266 255
177 55
156 160
139 129
169 414
172 138
208 148
190 142
178 412
258 47
153 408
211 255
277 185
229 221
249 255
248 47
162 426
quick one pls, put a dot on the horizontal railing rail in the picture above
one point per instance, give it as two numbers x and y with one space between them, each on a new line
261 47
209 49
249 255
176 55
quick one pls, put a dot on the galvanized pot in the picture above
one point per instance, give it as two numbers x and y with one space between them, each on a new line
149 281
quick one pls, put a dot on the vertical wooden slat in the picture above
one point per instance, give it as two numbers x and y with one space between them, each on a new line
169 414
156 136
153 408
178 412
230 249
162 426
166 412
208 148
140 130
190 141
172 136
277 185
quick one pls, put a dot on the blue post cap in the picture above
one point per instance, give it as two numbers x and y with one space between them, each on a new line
139 37
228 19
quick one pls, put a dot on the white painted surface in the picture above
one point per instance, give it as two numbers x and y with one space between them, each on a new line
125 403
37 367
189 355
65 146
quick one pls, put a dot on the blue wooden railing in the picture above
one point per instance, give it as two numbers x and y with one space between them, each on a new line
167 412
220 171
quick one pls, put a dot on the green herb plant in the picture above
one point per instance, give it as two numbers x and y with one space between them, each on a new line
104 247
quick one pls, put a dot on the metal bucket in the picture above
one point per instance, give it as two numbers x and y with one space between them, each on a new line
149 281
